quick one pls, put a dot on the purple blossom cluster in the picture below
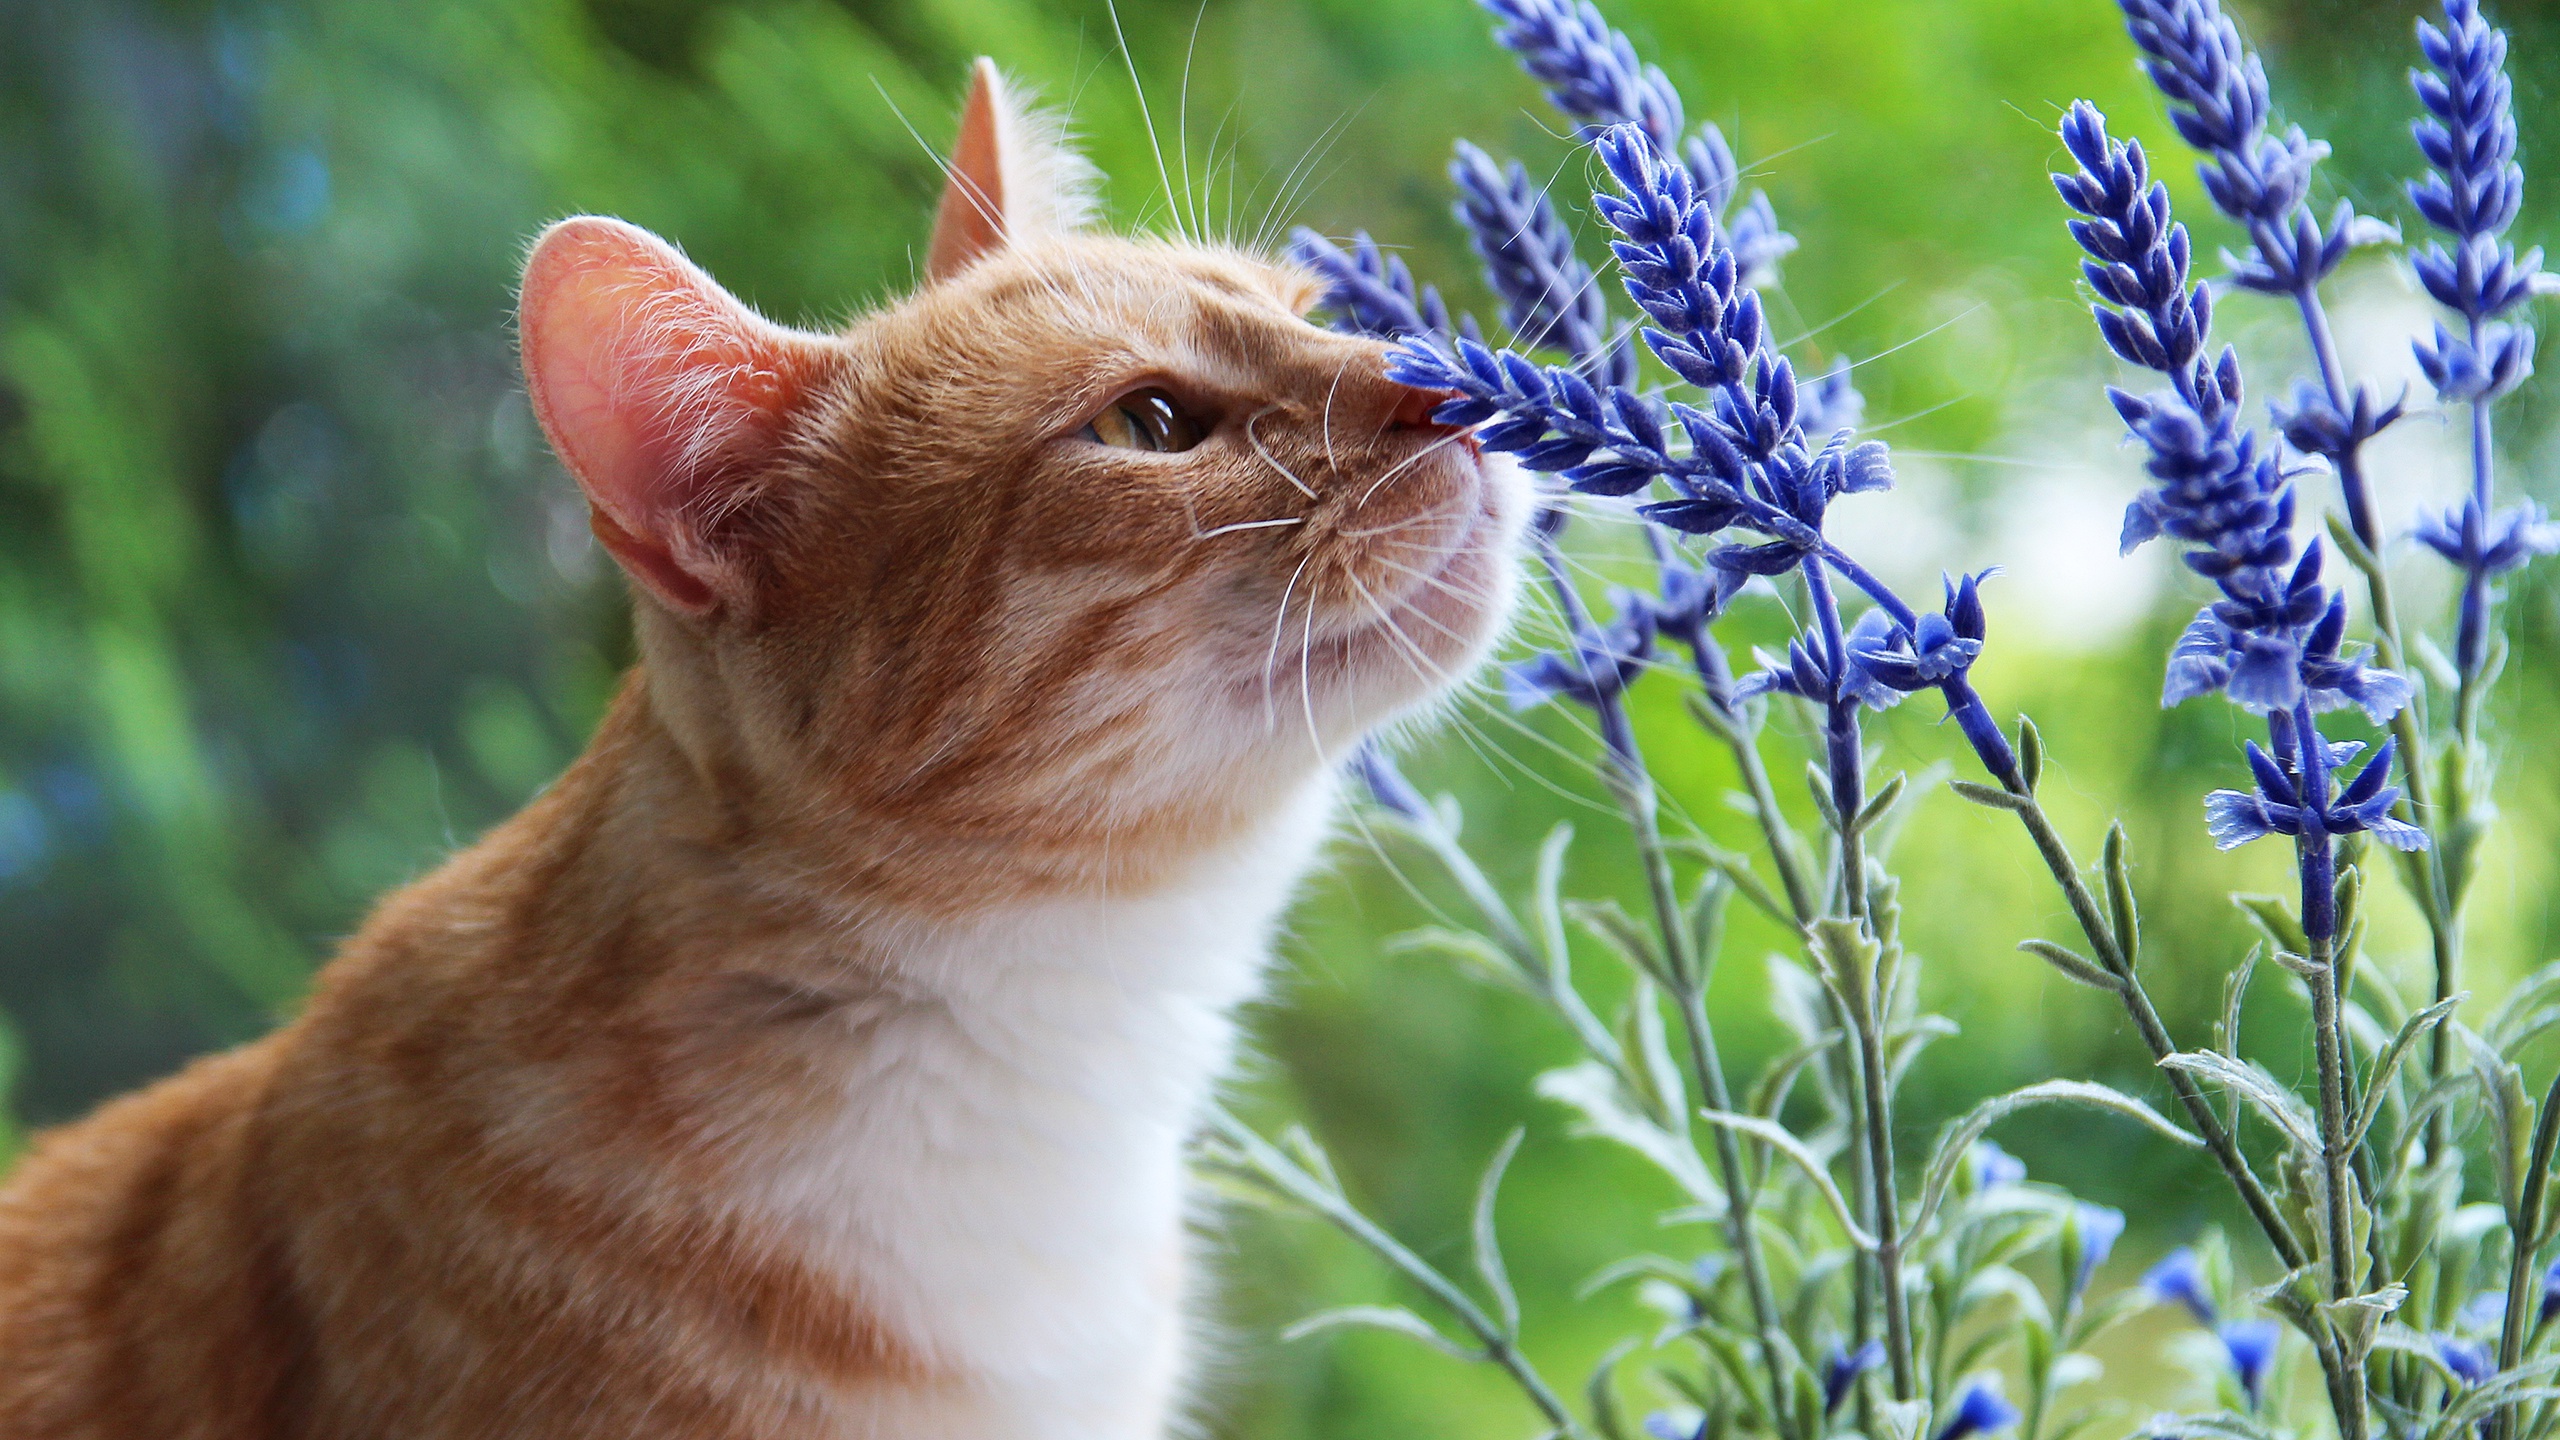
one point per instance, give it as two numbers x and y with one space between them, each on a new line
2470 197
2274 642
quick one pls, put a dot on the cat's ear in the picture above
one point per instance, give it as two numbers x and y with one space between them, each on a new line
665 396
1012 177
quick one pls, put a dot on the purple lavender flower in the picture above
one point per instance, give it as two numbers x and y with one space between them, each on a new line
1841 1369
1604 661
1809 674
1994 1167
1592 75
2468 137
2467 1359
1549 297
2274 640
2261 178
1747 465
1386 784
1590 70
2094 1231
2179 1280
2250 1345
2281 805
1369 291
1663 1425
1980 1410
2217 94
2550 1294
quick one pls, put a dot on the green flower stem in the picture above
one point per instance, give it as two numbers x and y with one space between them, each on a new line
1501 1347
1622 768
2146 1021
1738 738
1687 975
2525 1234
1550 980
2437 905
1887 1212
2338 1185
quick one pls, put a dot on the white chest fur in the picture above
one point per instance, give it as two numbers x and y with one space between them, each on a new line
1004 1184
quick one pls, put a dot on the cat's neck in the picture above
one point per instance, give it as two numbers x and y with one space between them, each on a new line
989 1143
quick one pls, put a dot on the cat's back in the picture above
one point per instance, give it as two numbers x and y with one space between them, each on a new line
137 1272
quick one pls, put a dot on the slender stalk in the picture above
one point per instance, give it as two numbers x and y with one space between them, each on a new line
1887 1216
2147 1023
1741 1227
2524 1244
2338 1182
2436 906
1623 769
1500 1346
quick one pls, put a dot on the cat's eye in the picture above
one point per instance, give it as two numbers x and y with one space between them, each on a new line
1146 419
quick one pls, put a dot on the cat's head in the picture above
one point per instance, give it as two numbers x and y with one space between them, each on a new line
1092 541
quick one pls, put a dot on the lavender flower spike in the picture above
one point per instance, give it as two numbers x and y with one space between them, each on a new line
2469 140
1592 75
2261 178
1549 297
2274 642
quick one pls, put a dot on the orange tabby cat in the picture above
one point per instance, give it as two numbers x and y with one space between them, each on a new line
814 1058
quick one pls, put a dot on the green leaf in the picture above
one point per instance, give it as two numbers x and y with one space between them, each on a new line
2280 1106
2387 1065
1881 803
1957 1138
2275 921
1817 781
1394 1318
2528 1004
1594 1094
1476 953
2235 989
1601 1392
1736 868
2122 915
1544 898
2073 964
1769 1092
1609 922
2510 1113
1848 955
1902 1419
1785 1143
2358 1318
1488 1247
2030 753
1990 795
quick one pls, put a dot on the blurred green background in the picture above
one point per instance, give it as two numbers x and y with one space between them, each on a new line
295 601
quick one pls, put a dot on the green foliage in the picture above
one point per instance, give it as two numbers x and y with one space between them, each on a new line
293 600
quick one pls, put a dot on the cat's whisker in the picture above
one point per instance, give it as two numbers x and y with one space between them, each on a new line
1146 114
1294 183
1182 124
1333 463
1271 660
1408 462
1248 525
1307 683
1270 459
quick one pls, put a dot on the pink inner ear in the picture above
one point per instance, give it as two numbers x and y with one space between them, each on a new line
662 393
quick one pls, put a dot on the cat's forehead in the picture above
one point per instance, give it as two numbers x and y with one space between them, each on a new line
1076 316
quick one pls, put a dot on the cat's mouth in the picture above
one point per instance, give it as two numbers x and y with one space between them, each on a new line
1449 597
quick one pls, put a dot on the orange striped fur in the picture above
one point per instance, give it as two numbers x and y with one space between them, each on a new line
813 1059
